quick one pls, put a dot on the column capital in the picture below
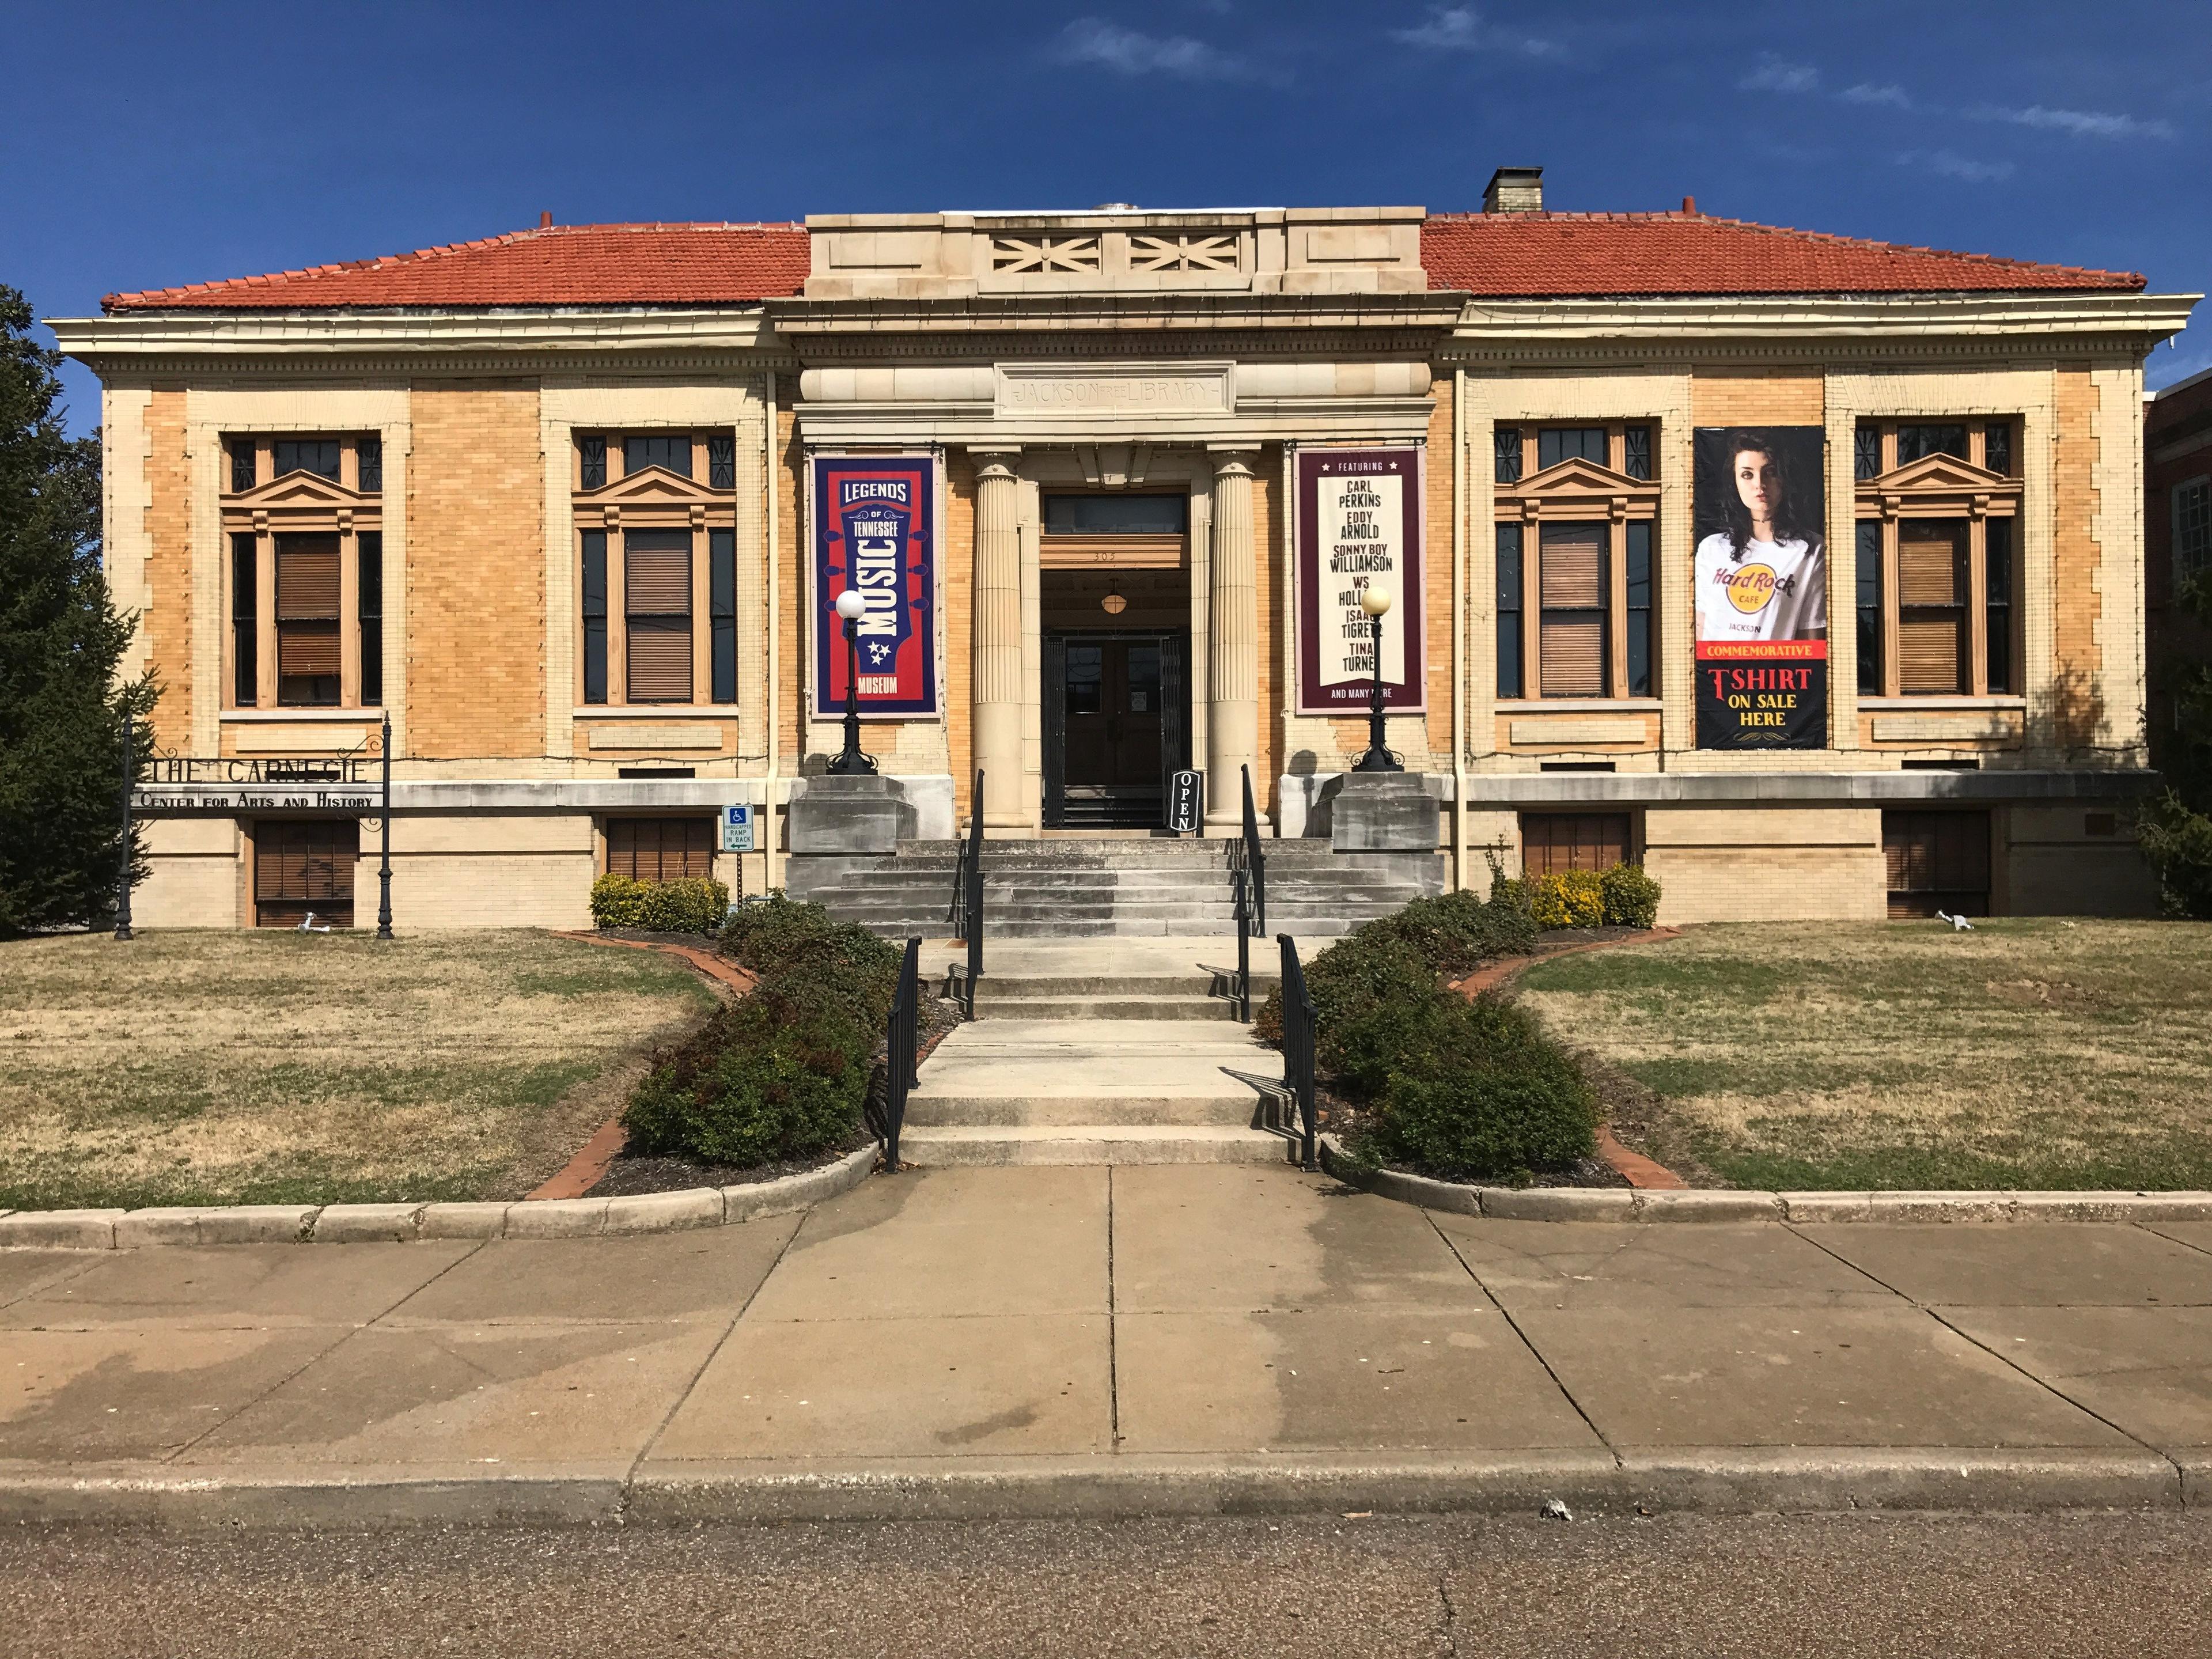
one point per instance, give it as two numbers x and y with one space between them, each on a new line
997 458
1231 461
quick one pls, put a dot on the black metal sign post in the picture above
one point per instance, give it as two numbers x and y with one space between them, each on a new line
384 863
129 778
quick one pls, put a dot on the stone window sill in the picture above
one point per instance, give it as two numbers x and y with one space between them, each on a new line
1579 705
292 716
1889 705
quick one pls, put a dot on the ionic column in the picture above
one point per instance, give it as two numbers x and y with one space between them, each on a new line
1232 716
996 661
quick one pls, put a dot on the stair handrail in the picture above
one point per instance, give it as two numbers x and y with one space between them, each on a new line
967 901
1248 871
1298 1047
886 1117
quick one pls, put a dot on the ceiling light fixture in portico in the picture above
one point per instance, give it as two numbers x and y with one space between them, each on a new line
1113 603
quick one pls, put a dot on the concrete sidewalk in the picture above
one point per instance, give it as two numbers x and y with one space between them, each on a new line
1097 1340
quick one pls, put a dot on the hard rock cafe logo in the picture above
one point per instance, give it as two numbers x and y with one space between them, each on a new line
1749 586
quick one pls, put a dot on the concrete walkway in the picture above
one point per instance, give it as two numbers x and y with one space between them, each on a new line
1090 1340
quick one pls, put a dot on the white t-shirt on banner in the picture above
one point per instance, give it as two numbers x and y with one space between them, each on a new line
1776 591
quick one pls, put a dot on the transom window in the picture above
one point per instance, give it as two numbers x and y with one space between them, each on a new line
1575 562
1882 446
305 571
657 568
1621 446
1937 558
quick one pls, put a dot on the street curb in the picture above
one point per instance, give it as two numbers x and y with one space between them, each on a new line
1649 1205
362 1223
1707 1480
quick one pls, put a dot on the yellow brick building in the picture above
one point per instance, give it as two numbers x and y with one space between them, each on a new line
547 502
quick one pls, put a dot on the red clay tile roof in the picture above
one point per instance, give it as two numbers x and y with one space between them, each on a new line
1542 255
559 265
1502 255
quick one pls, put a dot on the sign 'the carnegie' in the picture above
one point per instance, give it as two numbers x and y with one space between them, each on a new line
875 532
1359 522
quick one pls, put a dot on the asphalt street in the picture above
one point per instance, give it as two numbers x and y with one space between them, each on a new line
2053 1585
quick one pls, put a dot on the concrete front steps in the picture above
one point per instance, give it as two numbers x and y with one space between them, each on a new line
1098 889
1111 1052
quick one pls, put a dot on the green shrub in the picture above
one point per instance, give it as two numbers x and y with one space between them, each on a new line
1402 955
2178 844
1631 898
1478 1093
774 1076
690 906
1567 898
789 942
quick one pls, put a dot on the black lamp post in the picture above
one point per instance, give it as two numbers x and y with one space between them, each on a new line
384 861
129 778
1375 600
851 763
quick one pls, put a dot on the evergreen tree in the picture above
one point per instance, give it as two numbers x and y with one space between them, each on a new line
61 708
2177 827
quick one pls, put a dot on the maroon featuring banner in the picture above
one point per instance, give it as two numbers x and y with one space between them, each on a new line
1359 515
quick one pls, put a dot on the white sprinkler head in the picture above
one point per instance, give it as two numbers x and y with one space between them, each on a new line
1375 599
851 606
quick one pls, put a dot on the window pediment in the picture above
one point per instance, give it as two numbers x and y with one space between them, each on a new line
1940 475
654 486
1580 487
303 492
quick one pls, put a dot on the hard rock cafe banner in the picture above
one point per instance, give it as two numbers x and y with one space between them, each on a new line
1357 518
875 530
1762 589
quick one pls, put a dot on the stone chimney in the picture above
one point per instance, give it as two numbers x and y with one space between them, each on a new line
1515 190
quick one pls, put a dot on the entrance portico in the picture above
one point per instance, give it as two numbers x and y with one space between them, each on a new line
1125 355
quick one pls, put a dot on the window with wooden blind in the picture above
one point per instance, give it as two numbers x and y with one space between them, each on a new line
303 866
661 849
1938 557
1576 561
308 648
657 615
303 520
1555 841
1570 581
1931 600
1937 861
656 567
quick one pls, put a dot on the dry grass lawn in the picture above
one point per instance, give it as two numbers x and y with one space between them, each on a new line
191 1067
2031 1053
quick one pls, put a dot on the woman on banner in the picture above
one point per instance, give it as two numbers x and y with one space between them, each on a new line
1764 576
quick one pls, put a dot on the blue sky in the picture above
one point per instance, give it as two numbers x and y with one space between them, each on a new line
145 145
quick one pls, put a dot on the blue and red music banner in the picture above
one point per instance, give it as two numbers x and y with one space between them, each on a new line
875 532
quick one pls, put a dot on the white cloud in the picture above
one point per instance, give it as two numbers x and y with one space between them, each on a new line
1460 28
1867 93
1949 164
1779 75
1126 51
2077 123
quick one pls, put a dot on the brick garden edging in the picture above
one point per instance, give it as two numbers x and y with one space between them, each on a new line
1630 1203
364 1224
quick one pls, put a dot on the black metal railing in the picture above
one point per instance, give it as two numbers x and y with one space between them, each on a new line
1248 872
886 1112
968 905
1298 1049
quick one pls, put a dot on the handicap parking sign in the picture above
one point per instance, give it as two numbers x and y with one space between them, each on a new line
738 828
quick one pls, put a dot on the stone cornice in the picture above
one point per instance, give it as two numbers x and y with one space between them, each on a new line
1491 330
407 339
1115 313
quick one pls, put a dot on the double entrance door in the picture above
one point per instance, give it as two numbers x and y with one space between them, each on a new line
1117 722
